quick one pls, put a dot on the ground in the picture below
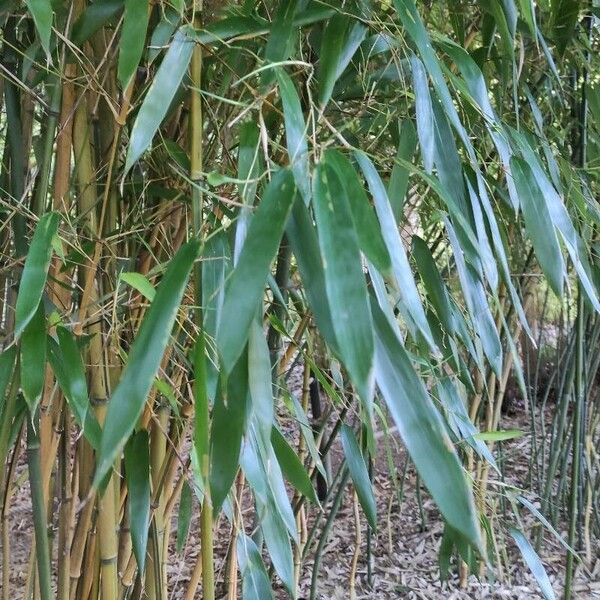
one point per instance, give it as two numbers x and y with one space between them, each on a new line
404 553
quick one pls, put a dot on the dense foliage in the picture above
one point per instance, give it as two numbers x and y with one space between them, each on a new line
201 201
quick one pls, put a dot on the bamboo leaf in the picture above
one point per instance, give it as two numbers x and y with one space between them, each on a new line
41 11
498 436
69 371
539 225
137 476
33 279
292 467
145 355
140 283
303 238
365 222
33 359
424 113
160 94
133 38
227 429
422 430
344 280
295 132
533 562
360 475
255 581
7 367
246 284
398 184
404 278
93 18
341 39
184 516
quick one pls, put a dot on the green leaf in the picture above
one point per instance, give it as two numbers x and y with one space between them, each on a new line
133 38
341 38
137 477
292 467
344 279
68 368
227 429
295 133
259 380
432 280
303 238
93 18
360 475
564 15
281 38
33 359
498 436
41 11
33 279
140 283
162 90
216 265
539 225
398 184
144 359
246 284
405 282
533 562
422 430
365 222
7 367
255 581
184 516
424 112
269 515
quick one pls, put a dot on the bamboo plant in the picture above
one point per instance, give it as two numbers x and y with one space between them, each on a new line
201 201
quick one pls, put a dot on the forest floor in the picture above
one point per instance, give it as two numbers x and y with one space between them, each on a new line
403 552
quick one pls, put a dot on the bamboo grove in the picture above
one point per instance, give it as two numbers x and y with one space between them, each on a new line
201 201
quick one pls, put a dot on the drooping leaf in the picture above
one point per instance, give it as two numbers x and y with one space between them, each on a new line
133 37
360 475
246 284
539 225
303 238
424 112
272 523
295 132
33 359
344 280
406 285
228 424
255 581
398 184
163 88
533 562
93 18
137 477
184 516
69 371
422 430
341 39
7 366
291 466
144 358
41 11
365 222
35 271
